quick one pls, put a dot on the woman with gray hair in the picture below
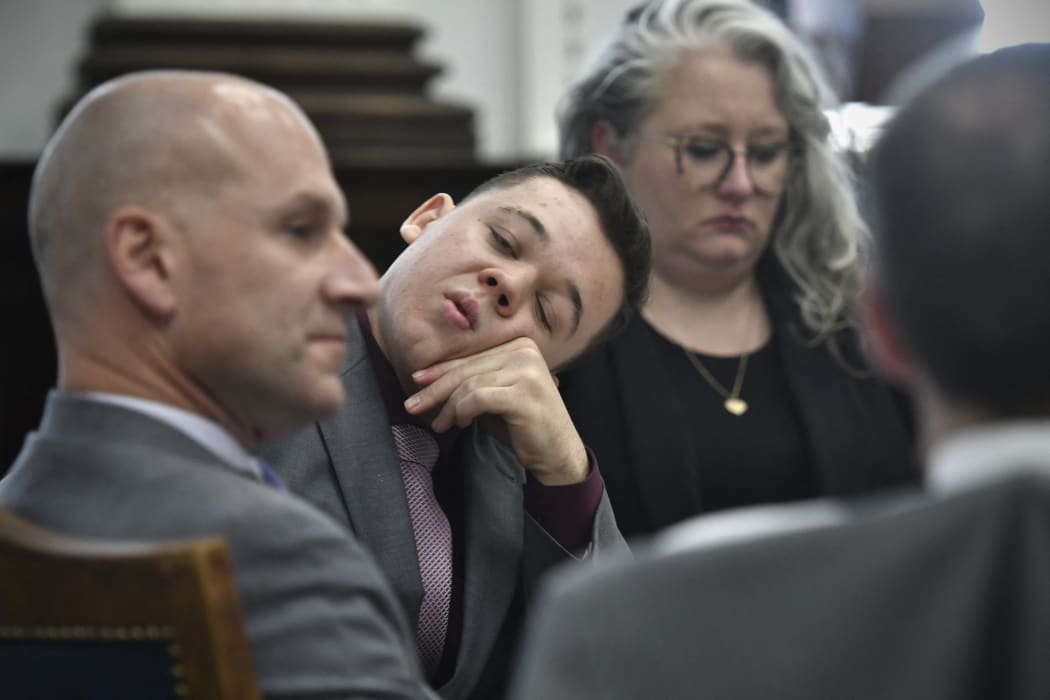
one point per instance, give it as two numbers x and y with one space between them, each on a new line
742 382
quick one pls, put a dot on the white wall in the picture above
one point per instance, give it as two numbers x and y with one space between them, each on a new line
507 59
38 42
1014 21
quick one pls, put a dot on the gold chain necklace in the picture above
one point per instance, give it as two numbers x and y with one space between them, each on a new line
733 403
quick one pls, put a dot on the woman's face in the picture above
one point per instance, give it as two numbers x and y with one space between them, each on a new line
710 212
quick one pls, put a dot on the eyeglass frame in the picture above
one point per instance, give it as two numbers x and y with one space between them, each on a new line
678 141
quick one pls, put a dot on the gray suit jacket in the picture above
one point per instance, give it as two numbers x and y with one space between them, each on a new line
320 619
909 597
349 467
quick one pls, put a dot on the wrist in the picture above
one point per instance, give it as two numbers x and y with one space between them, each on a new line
573 470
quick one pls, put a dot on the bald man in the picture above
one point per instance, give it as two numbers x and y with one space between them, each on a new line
188 234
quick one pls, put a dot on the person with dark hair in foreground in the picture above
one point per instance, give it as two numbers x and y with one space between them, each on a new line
935 594
455 460
188 233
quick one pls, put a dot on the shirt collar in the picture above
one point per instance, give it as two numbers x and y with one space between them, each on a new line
390 388
976 456
207 433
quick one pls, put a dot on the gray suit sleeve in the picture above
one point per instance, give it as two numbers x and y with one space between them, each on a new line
541 551
557 660
321 619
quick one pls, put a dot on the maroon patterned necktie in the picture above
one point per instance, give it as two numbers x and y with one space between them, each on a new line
418 452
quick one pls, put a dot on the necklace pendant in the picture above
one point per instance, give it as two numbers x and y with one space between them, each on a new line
737 407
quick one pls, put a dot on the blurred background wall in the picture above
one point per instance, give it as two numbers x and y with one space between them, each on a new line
508 60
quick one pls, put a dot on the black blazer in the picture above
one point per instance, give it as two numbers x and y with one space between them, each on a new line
859 430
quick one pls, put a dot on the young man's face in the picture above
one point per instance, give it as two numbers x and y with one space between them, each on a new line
529 260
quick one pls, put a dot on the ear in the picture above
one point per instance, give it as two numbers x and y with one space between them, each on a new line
425 214
138 243
886 348
604 141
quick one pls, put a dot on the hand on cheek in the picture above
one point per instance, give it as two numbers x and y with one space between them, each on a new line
511 389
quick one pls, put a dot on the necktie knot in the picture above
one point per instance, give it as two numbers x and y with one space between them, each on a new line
414 444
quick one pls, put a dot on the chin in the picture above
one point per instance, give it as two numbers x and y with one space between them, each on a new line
323 399
299 414
329 400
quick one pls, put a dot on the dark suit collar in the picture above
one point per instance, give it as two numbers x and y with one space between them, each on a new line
386 379
367 472
392 392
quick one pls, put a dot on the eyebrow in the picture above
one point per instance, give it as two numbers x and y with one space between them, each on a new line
537 226
315 204
723 134
541 233
577 306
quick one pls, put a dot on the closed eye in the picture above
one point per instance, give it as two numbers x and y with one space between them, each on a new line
303 230
764 155
703 150
542 312
502 243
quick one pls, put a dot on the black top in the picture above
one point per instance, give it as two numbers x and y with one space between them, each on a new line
758 457
666 450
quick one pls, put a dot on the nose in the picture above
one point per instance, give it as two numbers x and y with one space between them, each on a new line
352 281
736 183
508 287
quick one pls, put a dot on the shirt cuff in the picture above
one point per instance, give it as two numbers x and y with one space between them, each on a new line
567 512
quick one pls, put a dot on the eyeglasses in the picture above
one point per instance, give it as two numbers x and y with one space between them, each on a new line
704 163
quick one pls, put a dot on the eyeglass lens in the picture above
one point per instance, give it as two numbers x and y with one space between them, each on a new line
705 164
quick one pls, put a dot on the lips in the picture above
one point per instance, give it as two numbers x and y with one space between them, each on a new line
730 222
332 339
332 343
329 337
460 310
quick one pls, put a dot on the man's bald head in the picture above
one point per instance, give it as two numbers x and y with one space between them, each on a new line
164 141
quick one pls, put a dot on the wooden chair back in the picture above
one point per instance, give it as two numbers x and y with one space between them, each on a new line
85 618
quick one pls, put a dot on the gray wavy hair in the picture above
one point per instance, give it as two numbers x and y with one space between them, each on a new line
819 237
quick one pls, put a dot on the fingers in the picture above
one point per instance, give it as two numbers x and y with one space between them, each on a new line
514 363
484 372
470 402
512 391
430 374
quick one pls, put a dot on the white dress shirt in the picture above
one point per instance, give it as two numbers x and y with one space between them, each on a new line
976 456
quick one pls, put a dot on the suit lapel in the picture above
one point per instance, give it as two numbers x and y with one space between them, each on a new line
838 439
493 535
826 401
367 472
